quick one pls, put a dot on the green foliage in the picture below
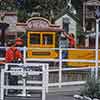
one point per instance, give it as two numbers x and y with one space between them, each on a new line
22 16
7 5
91 89
46 8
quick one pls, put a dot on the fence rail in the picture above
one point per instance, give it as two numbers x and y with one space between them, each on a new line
5 85
58 74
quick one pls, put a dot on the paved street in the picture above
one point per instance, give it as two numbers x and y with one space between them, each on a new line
64 93
59 97
49 97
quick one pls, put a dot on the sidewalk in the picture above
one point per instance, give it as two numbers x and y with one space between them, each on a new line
49 97
55 93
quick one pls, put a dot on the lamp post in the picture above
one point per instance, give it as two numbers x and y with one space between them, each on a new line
96 47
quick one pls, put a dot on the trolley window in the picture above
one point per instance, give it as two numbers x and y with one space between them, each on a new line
47 38
34 38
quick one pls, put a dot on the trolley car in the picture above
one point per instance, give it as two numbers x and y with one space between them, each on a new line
43 36
44 40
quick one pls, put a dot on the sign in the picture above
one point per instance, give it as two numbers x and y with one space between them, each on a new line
37 23
20 70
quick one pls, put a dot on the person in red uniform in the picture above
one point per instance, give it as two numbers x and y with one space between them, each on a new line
13 55
71 39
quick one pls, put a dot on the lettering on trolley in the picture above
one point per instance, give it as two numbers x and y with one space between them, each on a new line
38 23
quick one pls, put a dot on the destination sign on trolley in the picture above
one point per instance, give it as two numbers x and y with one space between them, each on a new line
38 23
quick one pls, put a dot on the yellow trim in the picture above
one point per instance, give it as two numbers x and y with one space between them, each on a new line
53 42
51 54
41 39
82 54
28 39
41 45
33 45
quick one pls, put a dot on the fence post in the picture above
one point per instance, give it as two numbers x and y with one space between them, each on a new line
60 67
44 84
2 84
24 84
24 55
96 48
6 68
47 75
92 72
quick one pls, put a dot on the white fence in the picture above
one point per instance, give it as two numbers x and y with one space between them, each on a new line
25 70
57 74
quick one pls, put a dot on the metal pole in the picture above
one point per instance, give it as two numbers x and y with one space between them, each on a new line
2 85
84 16
60 67
96 48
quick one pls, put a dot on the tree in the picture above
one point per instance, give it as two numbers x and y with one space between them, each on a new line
6 5
46 8
92 88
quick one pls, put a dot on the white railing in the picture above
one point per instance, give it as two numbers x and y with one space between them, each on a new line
24 71
59 70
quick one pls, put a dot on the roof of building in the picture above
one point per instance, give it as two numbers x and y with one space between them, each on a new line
66 11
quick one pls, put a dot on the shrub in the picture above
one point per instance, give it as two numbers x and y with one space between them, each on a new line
91 89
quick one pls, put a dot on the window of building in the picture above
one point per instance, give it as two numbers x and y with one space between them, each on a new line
66 24
66 27
89 26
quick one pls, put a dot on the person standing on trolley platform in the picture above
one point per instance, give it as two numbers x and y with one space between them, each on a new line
71 44
71 39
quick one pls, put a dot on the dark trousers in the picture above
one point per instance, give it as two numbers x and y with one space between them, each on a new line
12 80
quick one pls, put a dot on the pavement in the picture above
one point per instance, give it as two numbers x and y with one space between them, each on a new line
48 97
64 93
59 97
55 93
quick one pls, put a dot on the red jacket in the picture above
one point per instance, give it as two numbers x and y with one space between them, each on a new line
71 39
71 42
13 54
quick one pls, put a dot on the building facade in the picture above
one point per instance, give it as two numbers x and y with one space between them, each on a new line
9 32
